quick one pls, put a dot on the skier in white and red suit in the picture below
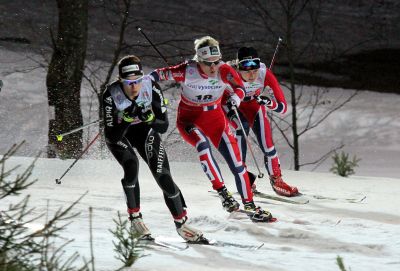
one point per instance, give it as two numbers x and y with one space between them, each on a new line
201 120
253 114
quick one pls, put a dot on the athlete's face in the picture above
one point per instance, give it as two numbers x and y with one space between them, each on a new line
210 67
249 76
132 85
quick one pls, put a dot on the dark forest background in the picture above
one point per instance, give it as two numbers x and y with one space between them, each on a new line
349 44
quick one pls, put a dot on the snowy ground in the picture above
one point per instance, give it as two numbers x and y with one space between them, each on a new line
306 237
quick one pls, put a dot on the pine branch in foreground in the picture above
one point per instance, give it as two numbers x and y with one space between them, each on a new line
127 245
21 247
339 261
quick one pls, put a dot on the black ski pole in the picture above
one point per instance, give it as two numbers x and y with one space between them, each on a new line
58 181
155 48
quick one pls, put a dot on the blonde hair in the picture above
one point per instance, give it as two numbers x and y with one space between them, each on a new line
204 42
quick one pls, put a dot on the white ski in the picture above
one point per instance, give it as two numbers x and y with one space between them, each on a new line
167 242
293 200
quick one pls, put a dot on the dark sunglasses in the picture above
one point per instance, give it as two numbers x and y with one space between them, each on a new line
209 64
132 82
249 64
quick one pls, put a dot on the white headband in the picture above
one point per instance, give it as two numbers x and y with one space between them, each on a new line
131 68
207 52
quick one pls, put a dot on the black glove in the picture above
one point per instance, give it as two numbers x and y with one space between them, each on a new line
146 115
264 100
231 114
131 112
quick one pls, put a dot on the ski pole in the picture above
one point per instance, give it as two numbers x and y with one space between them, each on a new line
275 52
155 48
60 136
260 174
273 61
58 181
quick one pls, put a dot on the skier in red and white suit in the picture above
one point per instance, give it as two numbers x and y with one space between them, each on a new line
253 114
200 118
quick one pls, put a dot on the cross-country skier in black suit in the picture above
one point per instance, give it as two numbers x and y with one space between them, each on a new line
135 114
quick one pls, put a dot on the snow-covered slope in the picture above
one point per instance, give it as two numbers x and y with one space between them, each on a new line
306 237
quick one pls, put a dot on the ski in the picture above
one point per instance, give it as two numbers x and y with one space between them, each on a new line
213 242
302 198
179 244
159 241
235 245
293 200
351 200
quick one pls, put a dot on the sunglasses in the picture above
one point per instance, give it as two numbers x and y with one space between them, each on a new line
132 82
210 63
249 64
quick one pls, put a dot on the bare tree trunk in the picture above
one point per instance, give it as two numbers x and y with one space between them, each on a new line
64 77
292 88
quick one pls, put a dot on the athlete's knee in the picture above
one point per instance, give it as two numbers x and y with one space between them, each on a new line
270 152
131 168
239 168
167 185
129 181
203 145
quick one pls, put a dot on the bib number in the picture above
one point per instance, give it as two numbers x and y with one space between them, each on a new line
204 97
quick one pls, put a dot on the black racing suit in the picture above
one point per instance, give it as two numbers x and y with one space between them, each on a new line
123 134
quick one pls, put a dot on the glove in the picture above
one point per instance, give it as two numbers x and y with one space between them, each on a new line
231 115
264 100
146 115
233 101
130 112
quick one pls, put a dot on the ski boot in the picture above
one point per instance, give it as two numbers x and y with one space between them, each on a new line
228 201
258 215
138 226
282 188
190 234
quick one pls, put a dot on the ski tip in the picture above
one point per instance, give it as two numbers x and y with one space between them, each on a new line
258 247
272 220
362 199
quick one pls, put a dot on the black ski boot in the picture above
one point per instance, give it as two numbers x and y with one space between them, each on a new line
257 214
228 201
